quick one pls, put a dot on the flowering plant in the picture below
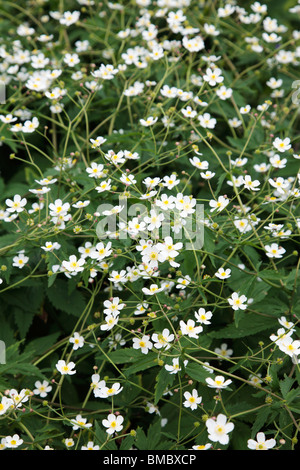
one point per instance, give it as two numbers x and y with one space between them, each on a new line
149 225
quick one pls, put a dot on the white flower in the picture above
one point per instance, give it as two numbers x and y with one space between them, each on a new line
42 388
58 208
280 184
17 204
194 44
282 144
285 323
175 367
90 446
274 251
207 121
11 442
74 265
104 186
218 429
100 251
223 273
97 142
81 204
213 76
127 179
118 277
49 246
203 317
80 423
8 118
223 350
192 400
71 59
261 442
235 122
202 447
255 380
218 382
154 221
148 121
289 346
163 339
168 92
30 126
237 301
113 423
144 344
250 184
224 93
207 175
77 340
69 17
20 260
106 72
225 11
18 398
218 205
196 162
245 109
190 329
110 321
95 170
113 306
183 282
106 392
65 368
69 442
5 404
189 112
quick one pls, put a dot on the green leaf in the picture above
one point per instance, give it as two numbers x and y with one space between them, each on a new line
23 320
125 356
262 416
285 385
163 380
72 304
142 364
197 372
292 395
152 441
127 443
102 436
13 368
41 344
250 324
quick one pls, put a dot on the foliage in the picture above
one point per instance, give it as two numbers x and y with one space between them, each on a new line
189 109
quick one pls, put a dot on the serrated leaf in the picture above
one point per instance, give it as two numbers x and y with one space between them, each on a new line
23 320
197 372
285 385
163 380
142 364
292 395
262 416
127 443
102 437
72 304
250 324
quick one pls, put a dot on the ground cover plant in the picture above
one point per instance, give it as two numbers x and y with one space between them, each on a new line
149 225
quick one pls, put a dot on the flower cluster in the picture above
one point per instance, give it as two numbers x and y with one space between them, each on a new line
149 225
